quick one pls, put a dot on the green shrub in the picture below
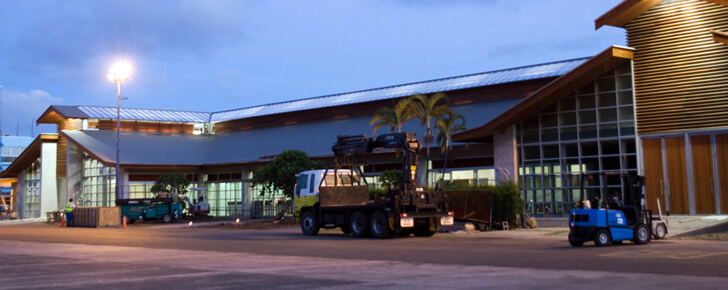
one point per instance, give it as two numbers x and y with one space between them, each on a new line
376 193
391 176
506 200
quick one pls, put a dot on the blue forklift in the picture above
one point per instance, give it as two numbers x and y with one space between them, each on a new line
614 218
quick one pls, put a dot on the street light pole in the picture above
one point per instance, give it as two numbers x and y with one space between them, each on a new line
119 73
118 126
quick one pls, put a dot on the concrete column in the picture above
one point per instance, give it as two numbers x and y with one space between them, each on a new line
20 194
505 154
48 186
246 202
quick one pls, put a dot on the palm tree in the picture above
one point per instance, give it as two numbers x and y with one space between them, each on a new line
394 118
446 127
426 108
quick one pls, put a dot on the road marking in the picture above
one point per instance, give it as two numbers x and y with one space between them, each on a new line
676 255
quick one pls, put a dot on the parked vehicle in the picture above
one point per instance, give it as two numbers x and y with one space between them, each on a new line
339 196
164 209
612 219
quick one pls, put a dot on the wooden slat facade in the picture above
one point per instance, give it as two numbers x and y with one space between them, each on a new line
458 97
680 72
66 124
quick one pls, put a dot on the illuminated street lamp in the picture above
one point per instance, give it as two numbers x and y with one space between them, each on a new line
119 72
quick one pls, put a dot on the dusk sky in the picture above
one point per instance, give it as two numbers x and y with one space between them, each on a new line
215 55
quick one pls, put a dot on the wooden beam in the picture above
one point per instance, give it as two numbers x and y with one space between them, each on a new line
719 36
624 13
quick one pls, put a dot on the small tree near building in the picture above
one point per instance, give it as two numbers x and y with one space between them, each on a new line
280 174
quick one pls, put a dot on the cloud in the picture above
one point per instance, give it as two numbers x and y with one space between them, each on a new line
20 110
65 42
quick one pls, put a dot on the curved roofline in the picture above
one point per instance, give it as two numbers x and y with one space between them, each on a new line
407 84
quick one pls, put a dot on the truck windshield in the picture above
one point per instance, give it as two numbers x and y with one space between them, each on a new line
344 178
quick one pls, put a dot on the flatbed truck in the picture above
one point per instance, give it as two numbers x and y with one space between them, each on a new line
339 196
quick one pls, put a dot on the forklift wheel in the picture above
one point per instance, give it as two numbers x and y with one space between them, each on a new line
575 243
602 238
642 234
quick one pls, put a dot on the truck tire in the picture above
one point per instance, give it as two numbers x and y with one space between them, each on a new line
360 224
309 225
602 238
380 225
167 218
426 229
642 234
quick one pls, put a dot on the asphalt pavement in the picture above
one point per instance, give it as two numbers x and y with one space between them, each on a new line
210 255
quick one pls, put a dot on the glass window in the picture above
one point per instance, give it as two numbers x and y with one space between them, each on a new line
586 102
550 151
567 119
531 152
605 84
625 97
549 120
550 135
607 100
626 113
624 82
589 149
584 137
610 147
608 115
588 117
568 133
608 130
567 104
586 89
570 149
588 132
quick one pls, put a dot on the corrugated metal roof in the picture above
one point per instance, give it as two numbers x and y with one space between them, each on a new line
146 114
440 85
531 72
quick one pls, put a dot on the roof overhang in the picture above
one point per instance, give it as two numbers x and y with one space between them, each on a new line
628 10
624 13
55 114
29 155
719 36
558 88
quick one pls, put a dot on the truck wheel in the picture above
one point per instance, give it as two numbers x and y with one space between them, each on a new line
424 230
660 231
309 225
380 225
641 234
360 224
167 218
602 238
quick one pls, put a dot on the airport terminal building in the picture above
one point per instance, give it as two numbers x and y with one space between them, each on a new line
656 107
